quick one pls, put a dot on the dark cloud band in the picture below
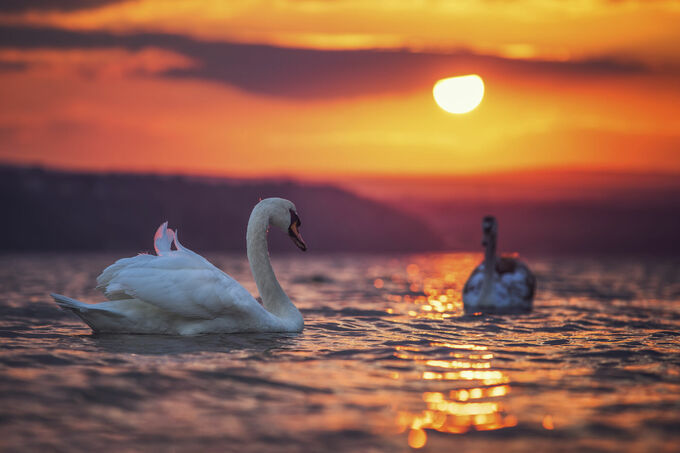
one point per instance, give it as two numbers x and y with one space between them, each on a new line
303 73
21 6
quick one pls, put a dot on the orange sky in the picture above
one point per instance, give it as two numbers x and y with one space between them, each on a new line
150 85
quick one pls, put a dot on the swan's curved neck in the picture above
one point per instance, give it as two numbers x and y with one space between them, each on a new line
274 298
490 253
489 268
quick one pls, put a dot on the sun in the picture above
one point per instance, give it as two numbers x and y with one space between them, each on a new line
460 94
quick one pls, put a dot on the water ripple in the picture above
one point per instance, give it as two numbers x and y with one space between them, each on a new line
387 362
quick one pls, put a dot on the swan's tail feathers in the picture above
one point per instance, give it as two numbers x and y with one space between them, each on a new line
97 316
70 304
79 308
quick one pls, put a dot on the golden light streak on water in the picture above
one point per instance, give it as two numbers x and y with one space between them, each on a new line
417 438
476 400
470 347
548 422
478 406
430 296
457 364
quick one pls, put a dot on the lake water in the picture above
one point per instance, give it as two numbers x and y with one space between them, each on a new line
387 362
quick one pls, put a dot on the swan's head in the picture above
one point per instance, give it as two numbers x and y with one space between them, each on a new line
283 214
489 229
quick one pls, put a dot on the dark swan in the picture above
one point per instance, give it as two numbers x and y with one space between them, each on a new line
498 284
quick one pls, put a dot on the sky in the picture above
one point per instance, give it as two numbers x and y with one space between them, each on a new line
339 90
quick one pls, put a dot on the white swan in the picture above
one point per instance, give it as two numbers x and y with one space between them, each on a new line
178 292
498 284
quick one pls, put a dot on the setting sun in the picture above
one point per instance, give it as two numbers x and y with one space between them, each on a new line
460 94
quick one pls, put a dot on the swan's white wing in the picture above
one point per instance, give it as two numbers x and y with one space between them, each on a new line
179 282
474 282
521 283
113 290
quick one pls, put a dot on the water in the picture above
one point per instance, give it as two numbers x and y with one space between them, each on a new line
386 362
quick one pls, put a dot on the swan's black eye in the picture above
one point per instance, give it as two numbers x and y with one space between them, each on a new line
294 219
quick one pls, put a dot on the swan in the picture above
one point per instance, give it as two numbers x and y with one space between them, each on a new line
498 284
178 292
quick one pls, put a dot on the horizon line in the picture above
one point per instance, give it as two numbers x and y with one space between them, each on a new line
333 177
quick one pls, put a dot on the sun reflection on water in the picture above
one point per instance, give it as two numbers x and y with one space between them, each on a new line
431 294
474 402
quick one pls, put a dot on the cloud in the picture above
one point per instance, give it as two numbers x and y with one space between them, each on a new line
304 73
12 66
20 6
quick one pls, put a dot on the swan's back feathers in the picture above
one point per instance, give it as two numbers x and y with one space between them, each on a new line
514 286
524 278
114 290
180 282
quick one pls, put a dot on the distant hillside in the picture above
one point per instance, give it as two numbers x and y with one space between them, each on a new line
48 210
616 227
542 211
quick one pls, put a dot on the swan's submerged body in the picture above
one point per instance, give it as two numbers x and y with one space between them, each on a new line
179 292
498 284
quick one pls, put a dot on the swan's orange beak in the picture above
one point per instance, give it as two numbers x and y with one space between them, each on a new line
294 232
